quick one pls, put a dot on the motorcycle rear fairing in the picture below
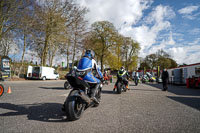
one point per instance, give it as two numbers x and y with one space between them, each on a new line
77 82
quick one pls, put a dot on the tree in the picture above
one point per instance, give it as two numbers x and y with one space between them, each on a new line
130 51
162 53
77 31
52 19
160 58
7 44
9 9
144 65
23 30
152 60
173 63
103 36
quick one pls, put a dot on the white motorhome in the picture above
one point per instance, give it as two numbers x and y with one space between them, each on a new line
42 73
180 74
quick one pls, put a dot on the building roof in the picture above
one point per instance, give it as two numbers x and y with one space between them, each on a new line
186 65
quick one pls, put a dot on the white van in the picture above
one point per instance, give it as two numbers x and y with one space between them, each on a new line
42 73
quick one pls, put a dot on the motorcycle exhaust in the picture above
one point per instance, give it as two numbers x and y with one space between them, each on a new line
85 98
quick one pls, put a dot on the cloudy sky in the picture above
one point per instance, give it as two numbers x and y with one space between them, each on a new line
171 25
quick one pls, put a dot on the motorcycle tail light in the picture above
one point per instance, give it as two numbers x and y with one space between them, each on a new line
80 78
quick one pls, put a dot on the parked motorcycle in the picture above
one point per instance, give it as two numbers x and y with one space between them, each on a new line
1 89
67 85
79 99
145 79
120 85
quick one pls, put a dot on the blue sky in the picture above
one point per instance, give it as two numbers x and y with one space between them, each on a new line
171 25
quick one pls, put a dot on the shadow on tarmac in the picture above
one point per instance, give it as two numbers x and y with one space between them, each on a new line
107 91
143 90
53 88
132 85
181 91
189 101
46 112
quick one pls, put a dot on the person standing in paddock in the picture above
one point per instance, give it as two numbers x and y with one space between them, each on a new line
165 79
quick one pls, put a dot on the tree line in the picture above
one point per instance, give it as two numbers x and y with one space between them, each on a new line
52 28
160 58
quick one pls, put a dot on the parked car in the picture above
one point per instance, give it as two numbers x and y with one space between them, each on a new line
42 73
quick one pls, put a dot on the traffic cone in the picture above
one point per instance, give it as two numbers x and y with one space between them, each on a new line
9 90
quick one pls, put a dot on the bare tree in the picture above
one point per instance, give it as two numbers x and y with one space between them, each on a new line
78 29
9 9
53 19
7 45
23 29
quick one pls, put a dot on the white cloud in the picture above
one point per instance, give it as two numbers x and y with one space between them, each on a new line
188 9
147 35
116 11
195 31
188 12
195 42
171 40
185 54
164 44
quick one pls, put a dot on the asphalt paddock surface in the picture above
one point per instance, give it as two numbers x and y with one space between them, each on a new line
35 107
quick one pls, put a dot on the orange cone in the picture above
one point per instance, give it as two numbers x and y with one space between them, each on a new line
9 90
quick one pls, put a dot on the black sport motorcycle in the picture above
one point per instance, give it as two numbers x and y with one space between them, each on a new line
1 89
120 85
79 99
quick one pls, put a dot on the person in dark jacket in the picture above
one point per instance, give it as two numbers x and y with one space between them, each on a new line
165 79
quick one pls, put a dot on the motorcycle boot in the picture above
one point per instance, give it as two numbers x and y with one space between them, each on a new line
114 88
127 87
94 91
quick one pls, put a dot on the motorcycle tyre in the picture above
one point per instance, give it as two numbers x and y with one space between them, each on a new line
71 100
119 89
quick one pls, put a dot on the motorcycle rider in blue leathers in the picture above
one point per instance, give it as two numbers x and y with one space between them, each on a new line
88 65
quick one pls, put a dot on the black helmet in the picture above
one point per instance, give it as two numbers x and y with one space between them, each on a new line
90 53
122 68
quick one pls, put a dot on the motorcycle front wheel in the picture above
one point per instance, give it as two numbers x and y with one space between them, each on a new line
1 90
74 106
119 88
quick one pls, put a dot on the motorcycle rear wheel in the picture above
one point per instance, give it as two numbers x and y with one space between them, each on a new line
74 106
1 90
